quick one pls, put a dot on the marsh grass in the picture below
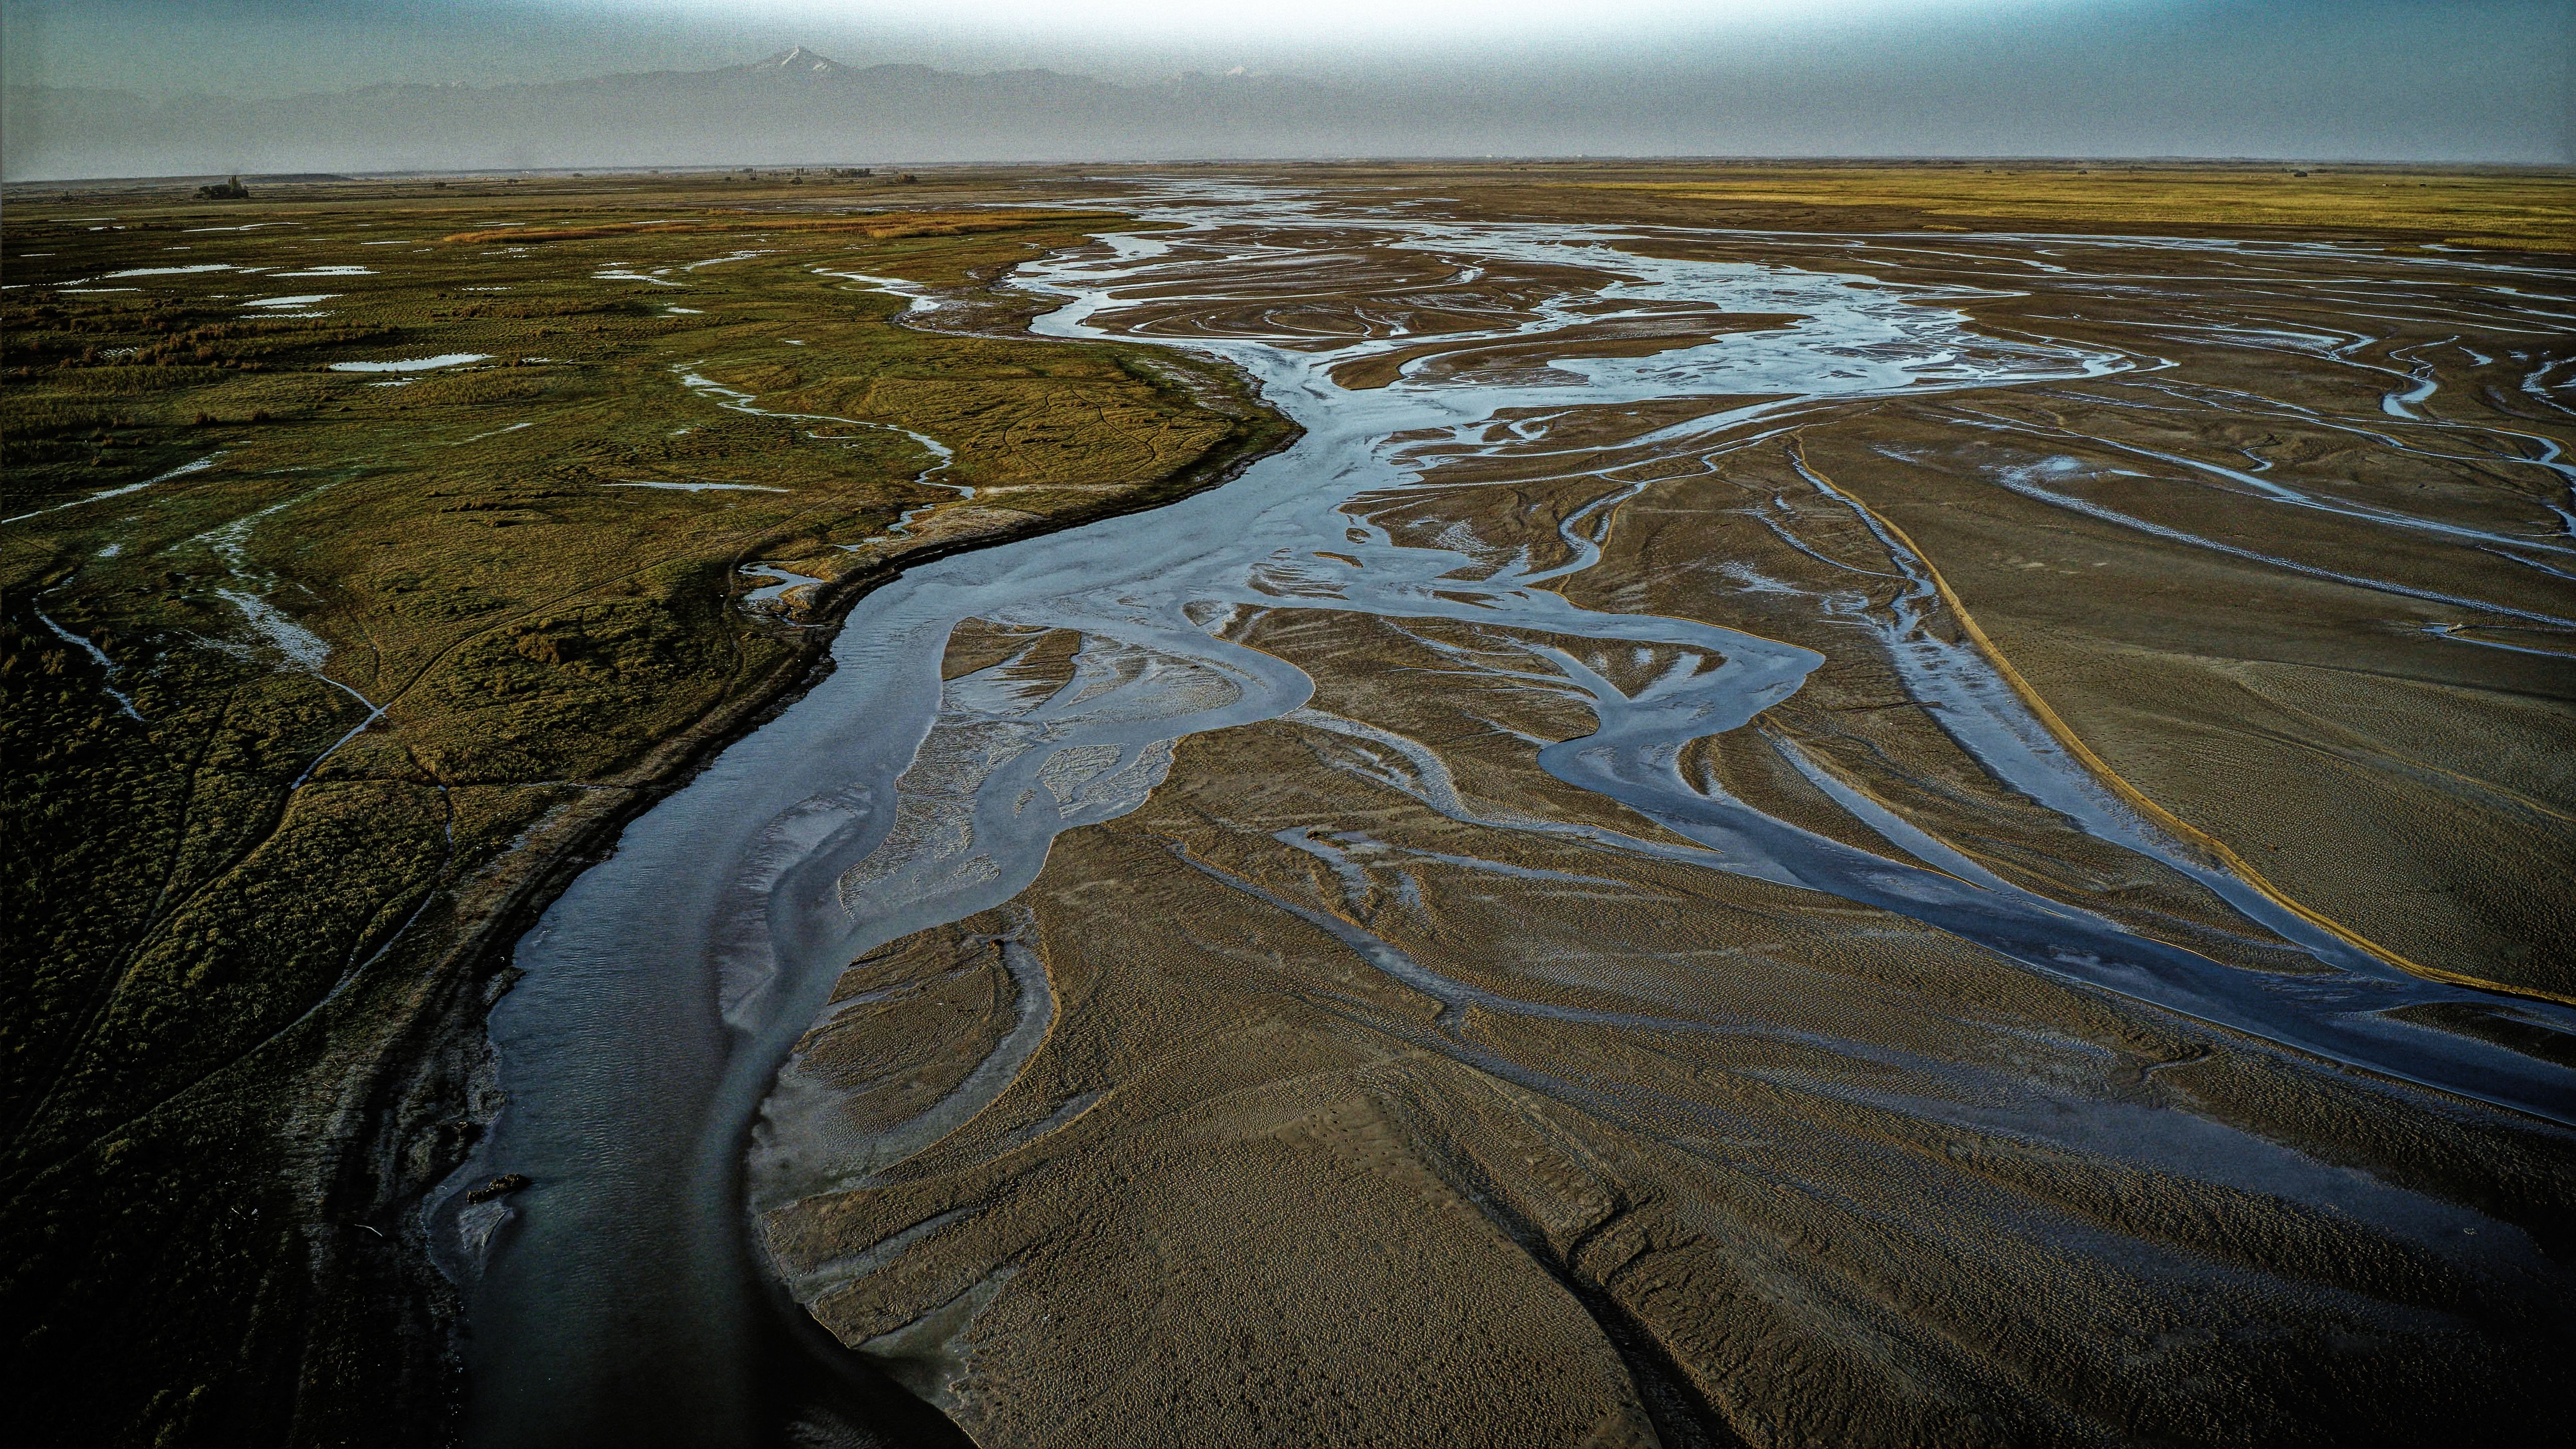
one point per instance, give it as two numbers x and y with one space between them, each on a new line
397 625
2522 210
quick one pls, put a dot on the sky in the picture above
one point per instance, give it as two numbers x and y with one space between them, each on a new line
2443 80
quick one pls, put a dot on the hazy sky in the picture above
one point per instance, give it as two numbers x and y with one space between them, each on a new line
2400 79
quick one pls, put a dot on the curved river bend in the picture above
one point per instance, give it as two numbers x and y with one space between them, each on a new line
621 1302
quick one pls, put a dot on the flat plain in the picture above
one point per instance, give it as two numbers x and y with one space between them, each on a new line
1374 1074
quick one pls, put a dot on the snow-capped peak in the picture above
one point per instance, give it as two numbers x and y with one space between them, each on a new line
799 59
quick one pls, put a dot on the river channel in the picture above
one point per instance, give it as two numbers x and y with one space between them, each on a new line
621 1299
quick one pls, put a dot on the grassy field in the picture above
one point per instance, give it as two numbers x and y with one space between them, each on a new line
314 676
2515 210
2518 210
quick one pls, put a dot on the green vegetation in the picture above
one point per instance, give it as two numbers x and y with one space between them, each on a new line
2520 210
312 680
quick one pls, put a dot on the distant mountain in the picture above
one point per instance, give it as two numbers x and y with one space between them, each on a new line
795 107
798 61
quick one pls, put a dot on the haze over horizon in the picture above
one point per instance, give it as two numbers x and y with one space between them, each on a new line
128 87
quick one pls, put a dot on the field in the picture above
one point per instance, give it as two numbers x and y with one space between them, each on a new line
2511 210
315 675
2521 211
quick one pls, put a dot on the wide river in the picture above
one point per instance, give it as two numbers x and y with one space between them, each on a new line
620 1299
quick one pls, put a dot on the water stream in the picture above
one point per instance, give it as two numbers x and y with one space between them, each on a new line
618 1301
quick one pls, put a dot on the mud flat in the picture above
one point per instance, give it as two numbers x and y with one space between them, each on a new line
1755 837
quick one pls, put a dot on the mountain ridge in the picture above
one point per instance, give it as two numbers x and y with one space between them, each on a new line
794 106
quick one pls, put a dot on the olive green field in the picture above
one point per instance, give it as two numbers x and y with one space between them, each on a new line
318 680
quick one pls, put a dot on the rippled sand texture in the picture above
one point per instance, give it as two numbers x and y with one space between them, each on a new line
1783 840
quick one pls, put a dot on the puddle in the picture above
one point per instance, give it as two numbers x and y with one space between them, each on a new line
413 364
697 487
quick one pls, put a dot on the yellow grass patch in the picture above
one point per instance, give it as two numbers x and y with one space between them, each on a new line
877 226
2522 210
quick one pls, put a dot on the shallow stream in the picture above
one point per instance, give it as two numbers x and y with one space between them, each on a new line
618 1300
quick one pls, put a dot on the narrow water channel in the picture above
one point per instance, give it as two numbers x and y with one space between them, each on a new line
619 1300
